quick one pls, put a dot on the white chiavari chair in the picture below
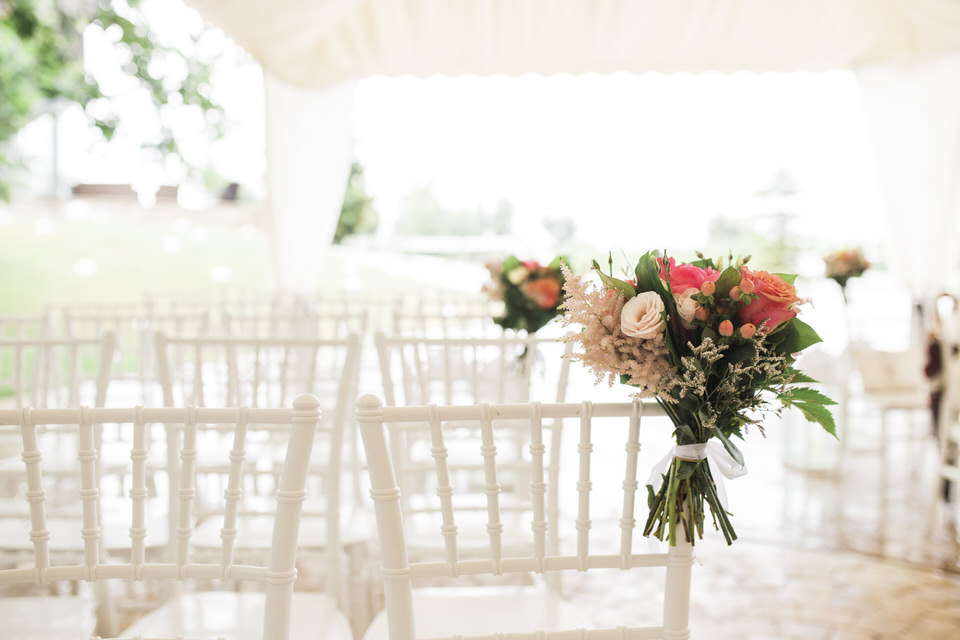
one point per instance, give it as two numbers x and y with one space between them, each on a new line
894 381
57 372
463 371
134 366
316 324
272 612
15 327
437 596
427 323
269 371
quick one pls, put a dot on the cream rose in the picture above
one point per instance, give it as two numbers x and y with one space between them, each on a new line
642 316
517 274
687 307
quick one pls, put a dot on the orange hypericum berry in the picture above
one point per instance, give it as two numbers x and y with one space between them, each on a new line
726 328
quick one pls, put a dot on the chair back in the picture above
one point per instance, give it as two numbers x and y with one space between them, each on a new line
57 372
419 370
446 425
312 325
134 326
277 573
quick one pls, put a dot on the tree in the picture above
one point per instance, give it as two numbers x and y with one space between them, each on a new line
357 215
41 69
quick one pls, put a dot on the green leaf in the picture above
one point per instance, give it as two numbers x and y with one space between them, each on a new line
685 469
729 279
797 376
704 263
819 414
806 394
648 274
729 446
799 336
743 353
789 278
648 279
685 431
510 262
615 283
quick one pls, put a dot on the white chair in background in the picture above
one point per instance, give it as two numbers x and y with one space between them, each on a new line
317 324
275 613
235 301
134 365
448 608
427 323
16 327
57 372
418 370
894 381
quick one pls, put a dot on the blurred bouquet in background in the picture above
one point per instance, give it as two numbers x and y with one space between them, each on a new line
531 292
842 265
715 346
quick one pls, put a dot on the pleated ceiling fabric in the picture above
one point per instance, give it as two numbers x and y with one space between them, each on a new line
318 43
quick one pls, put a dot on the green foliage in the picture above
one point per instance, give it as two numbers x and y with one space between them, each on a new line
41 69
357 215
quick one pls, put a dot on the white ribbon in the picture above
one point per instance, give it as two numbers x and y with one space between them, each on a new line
719 459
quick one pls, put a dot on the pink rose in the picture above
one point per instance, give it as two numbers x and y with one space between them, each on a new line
642 316
686 276
775 301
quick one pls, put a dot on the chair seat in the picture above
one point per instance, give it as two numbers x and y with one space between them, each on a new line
48 618
442 613
239 616
65 533
256 533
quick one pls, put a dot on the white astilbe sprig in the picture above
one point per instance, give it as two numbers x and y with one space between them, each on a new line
604 349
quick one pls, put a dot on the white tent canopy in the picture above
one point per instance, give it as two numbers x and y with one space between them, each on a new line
318 43
905 51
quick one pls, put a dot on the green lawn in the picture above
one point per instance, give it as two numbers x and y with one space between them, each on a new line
39 268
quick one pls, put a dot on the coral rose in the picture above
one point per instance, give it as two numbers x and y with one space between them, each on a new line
685 276
642 316
545 292
775 300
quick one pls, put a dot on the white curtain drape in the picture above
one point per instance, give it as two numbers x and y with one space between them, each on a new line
309 151
913 112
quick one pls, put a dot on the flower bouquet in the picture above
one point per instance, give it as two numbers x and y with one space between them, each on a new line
531 292
842 265
715 346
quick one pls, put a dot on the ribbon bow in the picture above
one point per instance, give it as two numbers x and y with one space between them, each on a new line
716 456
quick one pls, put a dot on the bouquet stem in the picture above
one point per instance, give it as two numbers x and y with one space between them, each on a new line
686 487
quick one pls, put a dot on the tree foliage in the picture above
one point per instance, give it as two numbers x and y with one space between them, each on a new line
357 216
41 69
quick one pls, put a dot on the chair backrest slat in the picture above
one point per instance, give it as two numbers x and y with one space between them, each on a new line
138 492
584 449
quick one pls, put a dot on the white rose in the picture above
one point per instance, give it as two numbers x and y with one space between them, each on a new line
517 274
687 307
642 316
